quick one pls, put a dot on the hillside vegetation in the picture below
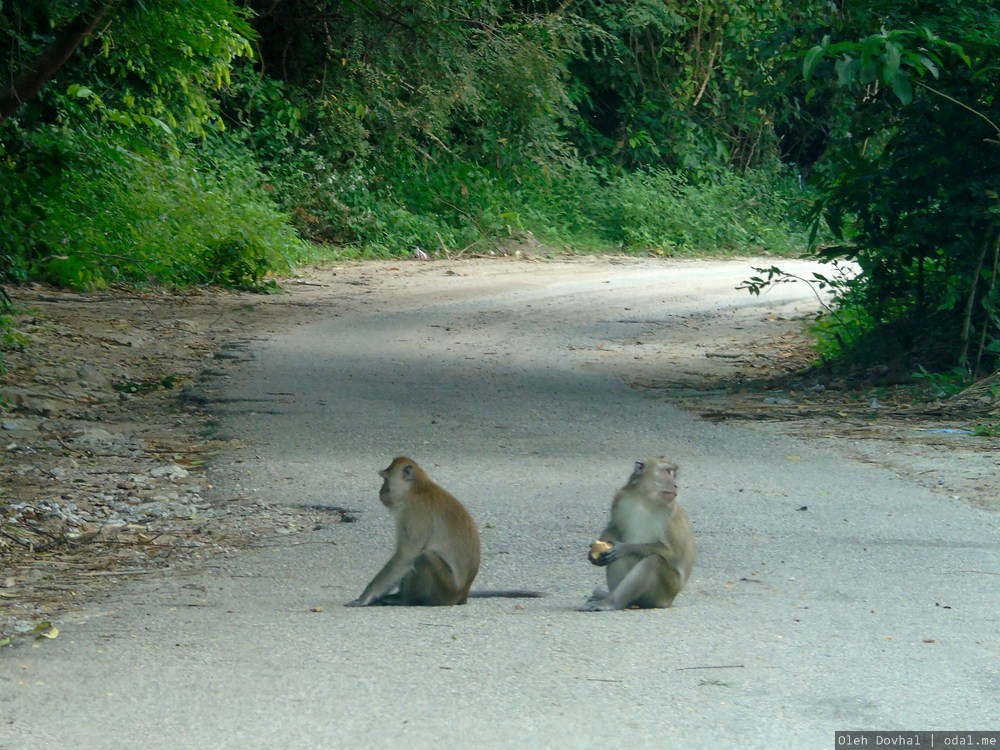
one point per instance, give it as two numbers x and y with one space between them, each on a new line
222 141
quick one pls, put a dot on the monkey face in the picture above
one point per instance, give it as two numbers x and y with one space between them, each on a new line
666 482
385 493
655 477
399 477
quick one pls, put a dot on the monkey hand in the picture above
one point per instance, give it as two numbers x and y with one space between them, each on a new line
359 602
603 553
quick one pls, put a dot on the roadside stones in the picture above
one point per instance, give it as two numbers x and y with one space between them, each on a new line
101 458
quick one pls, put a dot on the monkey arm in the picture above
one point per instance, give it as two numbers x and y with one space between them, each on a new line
621 550
386 579
410 544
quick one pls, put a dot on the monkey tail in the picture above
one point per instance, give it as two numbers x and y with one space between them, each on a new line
506 594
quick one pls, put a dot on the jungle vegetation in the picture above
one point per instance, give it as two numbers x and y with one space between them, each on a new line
220 141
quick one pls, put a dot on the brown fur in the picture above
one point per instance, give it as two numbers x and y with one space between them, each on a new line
437 543
653 548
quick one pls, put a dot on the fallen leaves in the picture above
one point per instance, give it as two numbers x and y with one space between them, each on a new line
101 460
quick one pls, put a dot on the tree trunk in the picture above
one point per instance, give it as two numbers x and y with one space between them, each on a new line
963 339
33 78
994 233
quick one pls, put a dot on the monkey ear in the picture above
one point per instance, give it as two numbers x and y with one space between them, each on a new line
639 467
409 473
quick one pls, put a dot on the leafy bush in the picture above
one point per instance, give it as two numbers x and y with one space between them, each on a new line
908 181
112 212
671 214
567 206
457 205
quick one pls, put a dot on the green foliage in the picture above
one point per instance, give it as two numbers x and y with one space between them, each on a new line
191 142
461 206
842 321
891 58
113 214
568 206
157 62
686 85
838 331
671 214
135 183
446 125
415 80
987 430
909 186
11 337
943 384
404 126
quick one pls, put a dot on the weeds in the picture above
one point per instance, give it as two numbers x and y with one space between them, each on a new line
127 213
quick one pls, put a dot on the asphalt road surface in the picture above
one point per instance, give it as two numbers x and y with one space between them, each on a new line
827 595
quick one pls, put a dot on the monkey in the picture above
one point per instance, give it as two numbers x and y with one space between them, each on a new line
651 543
437 545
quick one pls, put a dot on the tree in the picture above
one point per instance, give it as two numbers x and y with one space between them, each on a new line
112 162
35 75
687 85
909 187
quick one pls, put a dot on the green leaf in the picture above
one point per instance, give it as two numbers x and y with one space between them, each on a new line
150 120
891 61
871 48
46 630
957 49
929 65
835 221
813 57
847 70
902 87
80 92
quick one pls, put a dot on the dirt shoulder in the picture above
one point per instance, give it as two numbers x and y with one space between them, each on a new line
105 441
106 434
755 369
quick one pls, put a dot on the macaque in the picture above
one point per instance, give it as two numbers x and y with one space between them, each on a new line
648 546
437 545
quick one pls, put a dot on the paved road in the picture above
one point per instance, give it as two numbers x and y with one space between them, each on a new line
877 607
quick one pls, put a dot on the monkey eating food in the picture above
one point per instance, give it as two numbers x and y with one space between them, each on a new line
648 545
437 545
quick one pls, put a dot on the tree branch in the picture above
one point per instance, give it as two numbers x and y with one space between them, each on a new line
27 85
964 106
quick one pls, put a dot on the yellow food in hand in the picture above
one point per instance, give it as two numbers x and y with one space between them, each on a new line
598 548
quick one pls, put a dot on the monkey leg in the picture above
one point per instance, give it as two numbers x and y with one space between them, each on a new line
598 595
430 583
650 583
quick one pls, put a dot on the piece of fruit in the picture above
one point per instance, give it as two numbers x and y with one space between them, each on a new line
598 548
